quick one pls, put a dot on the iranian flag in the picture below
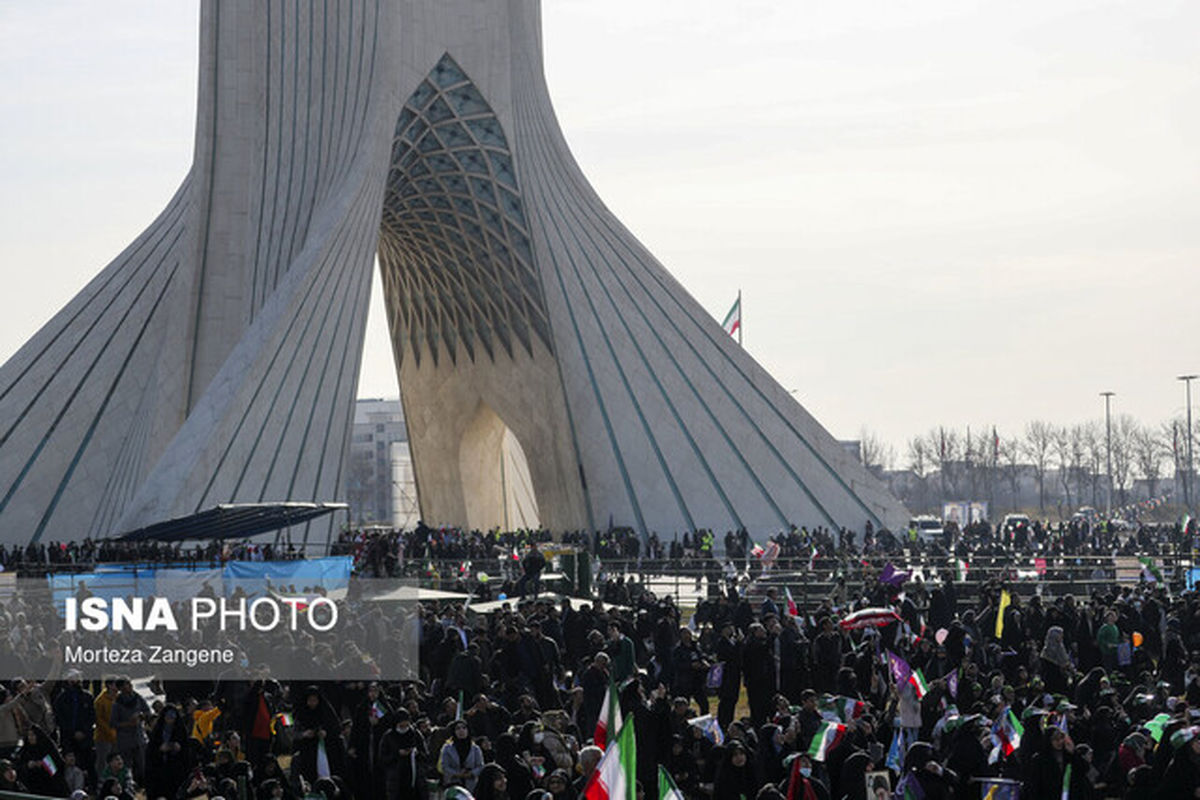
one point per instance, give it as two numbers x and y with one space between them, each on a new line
825 739
792 609
917 679
667 790
1150 572
961 567
733 320
610 716
615 777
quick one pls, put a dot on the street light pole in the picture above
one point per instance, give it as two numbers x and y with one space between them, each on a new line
1187 475
1108 453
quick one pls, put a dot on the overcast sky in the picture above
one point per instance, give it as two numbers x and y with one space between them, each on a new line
938 212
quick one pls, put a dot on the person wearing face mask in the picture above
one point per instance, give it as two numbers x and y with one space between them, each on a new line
399 751
801 784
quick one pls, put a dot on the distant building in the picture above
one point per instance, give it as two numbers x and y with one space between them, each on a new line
380 487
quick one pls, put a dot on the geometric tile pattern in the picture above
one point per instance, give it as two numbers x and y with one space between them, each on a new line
455 243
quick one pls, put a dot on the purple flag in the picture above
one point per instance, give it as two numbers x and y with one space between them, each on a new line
952 683
899 668
892 576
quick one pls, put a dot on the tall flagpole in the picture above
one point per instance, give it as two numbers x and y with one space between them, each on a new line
742 319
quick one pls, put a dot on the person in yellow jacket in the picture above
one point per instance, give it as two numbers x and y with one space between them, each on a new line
104 735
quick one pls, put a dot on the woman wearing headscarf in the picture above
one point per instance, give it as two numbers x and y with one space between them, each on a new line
370 720
1046 771
735 775
934 782
461 760
401 752
851 783
770 752
40 764
801 784
319 750
516 771
1056 667
493 784
167 754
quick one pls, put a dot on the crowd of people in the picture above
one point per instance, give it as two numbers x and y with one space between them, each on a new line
46 557
888 684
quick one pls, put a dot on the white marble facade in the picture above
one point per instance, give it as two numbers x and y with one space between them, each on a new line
216 359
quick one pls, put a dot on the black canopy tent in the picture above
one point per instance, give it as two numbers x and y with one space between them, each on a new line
232 521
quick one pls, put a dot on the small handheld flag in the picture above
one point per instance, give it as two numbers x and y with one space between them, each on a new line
826 739
667 790
49 765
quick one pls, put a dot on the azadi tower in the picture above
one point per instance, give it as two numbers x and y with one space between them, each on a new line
215 360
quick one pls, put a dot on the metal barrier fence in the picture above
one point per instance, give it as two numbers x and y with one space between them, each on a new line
690 580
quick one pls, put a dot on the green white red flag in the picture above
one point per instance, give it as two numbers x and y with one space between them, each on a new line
917 679
667 790
825 739
610 717
733 320
615 777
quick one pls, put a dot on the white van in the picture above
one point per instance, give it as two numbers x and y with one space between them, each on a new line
929 528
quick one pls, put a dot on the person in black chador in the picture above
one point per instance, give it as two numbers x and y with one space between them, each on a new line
400 751
318 731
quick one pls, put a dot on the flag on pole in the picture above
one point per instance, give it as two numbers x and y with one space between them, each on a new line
615 777
1006 734
458 713
910 788
792 609
667 790
709 727
960 568
376 711
1005 602
899 668
610 716
1151 573
1066 787
917 679
827 737
733 320
839 708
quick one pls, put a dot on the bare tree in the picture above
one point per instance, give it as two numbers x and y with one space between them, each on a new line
877 455
945 450
1148 455
1037 446
1093 443
1060 440
1009 450
1124 428
987 463
1078 456
921 464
